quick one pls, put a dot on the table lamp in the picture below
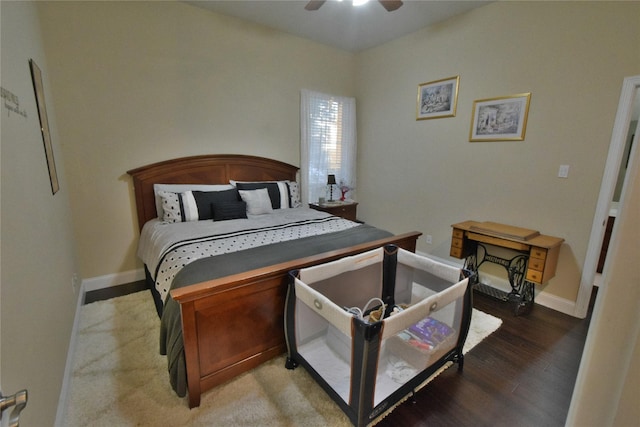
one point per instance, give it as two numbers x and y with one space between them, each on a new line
331 181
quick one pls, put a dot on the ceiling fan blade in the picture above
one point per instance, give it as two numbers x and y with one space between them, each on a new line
314 4
390 5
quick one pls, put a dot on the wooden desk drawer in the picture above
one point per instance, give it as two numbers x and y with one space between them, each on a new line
456 252
539 253
456 243
534 276
536 264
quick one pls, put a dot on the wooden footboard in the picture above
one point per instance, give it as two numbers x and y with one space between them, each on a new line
233 324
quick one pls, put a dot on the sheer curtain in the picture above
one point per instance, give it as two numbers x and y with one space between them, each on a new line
328 144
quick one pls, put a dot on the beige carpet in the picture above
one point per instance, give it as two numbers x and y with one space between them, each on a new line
119 379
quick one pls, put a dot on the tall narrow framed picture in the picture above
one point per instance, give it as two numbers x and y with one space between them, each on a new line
36 76
500 119
437 99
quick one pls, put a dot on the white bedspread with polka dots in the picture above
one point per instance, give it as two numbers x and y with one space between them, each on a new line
166 248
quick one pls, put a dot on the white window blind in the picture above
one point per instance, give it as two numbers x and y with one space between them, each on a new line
328 143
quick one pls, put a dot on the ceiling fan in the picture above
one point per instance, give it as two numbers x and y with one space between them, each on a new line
390 5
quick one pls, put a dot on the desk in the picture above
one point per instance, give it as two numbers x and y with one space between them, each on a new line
535 261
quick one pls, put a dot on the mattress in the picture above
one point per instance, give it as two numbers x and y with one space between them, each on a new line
166 248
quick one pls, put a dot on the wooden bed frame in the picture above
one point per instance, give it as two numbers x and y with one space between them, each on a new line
233 324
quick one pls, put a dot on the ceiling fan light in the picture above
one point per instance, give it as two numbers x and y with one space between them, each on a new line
359 2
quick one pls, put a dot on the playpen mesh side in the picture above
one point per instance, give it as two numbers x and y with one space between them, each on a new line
429 326
323 326
411 340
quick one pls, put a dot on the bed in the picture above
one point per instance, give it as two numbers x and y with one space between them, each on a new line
225 313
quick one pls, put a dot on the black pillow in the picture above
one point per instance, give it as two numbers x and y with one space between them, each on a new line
223 211
204 200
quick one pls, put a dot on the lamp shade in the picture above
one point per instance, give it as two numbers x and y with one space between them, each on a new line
331 179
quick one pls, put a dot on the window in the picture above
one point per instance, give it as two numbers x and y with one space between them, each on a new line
328 143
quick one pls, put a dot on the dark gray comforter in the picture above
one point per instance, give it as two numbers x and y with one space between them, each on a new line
171 343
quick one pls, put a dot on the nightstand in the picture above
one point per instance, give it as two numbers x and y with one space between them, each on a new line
346 210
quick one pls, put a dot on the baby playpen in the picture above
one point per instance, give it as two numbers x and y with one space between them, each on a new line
371 328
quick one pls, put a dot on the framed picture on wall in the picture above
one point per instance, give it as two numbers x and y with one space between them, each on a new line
437 99
500 119
36 76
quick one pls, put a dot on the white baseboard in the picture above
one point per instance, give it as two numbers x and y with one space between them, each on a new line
62 400
91 284
556 303
553 302
110 280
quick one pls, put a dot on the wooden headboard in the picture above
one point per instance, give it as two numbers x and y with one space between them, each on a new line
205 169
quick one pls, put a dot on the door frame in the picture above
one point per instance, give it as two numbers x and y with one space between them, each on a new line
630 89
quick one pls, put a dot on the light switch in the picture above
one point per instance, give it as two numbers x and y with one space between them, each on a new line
563 172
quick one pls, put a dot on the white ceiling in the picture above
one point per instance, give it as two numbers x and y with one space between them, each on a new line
338 23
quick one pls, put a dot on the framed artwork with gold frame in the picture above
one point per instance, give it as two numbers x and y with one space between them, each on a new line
36 76
500 119
437 99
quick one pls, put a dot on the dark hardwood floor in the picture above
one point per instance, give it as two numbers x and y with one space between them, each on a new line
521 375
114 291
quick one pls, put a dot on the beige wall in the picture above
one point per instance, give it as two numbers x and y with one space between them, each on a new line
139 82
426 175
38 252
608 385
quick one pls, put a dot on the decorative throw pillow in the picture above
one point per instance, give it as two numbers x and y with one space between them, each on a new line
278 191
193 205
258 201
170 206
294 193
181 188
204 200
223 211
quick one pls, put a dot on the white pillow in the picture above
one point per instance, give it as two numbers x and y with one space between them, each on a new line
258 201
180 188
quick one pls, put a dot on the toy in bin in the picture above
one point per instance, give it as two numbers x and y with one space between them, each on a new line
420 341
427 334
368 360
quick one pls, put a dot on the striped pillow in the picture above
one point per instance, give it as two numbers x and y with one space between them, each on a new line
278 191
223 211
193 205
